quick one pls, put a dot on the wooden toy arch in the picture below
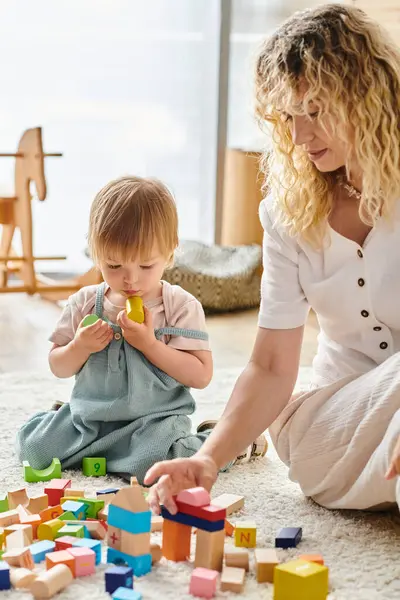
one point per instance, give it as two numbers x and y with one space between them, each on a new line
16 213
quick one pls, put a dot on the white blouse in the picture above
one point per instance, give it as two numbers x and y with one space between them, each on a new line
354 291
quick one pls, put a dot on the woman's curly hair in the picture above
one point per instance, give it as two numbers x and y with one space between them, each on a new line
349 66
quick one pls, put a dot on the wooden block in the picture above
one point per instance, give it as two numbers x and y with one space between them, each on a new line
34 521
114 537
4 576
209 549
131 499
22 578
3 503
208 513
197 496
21 557
203 583
246 534
135 544
51 513
2 537
176 541
52 581
17 539
107 498
95 528
65 542
288 537
265 562
229 528
37 504
25 528
156 553
237 557
102 515
231 502
10 517
49 529
68 492
55 490
232 580
94 467
22 512
35 475
61 557
17 497
85 560
156 523
300 579
316 558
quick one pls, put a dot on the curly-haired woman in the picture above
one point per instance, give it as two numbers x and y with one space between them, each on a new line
328 86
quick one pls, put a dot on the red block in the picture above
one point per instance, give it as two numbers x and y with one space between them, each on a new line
55 490
208 513
64 542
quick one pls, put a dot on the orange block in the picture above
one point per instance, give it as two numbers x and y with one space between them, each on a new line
62 557
229 528
33 520
51 513
315 558
176 541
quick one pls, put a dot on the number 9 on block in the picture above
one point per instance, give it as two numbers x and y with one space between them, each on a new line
94 467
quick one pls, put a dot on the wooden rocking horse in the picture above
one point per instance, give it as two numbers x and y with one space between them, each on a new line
16 213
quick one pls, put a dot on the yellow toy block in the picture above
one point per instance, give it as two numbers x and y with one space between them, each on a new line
246 534
134 309
301 580
49 529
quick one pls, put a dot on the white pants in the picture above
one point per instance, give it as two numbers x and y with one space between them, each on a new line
338 440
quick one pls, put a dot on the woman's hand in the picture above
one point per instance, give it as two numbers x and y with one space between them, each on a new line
177 475
394 466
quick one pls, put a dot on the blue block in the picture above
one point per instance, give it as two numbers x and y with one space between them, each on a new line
4 576
94 545
288 537
107 491
78 509
139 522
40 549
140 564
193 521
123 593
116 577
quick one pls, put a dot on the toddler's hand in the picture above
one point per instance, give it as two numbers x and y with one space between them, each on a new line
94 338
394 466
139 335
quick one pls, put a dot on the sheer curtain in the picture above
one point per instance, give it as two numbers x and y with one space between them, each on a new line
119 86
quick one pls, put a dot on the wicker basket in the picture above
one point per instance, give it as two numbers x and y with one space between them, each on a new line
222 278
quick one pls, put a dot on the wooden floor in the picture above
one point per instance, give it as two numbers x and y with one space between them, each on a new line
26 322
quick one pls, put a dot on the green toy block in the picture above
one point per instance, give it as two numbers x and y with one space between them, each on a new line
4 503
94 467
93 506
34 475
89 320
73 530
67 516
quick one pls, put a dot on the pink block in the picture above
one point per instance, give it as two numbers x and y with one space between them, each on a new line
64 542
197 496
85 559
203 583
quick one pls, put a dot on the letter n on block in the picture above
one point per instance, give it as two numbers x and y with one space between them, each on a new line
176 541
246 534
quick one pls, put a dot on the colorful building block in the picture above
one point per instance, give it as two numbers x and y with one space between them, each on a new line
156 553
157 522
134 522
93 506
38 503
49 529
208 513
131 499
265 561
53 512
10 517
17 539
176 541
192 521
123 593
231 502
17 497
135 544
140 564
237 557
25 529
245 534
94 545
134 309
197 496
229 528
85 560
21 557
68 518
78 509
64 542
31 475
316 558
68 492
107 491
22 578
4 503
61 557
232 579
4 576
210 549
116 577
78 531
48 583
94 467
203 583
288 537
55 490
302 580
40 549
89 320
34 521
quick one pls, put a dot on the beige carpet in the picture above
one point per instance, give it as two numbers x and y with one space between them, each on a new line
361 550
